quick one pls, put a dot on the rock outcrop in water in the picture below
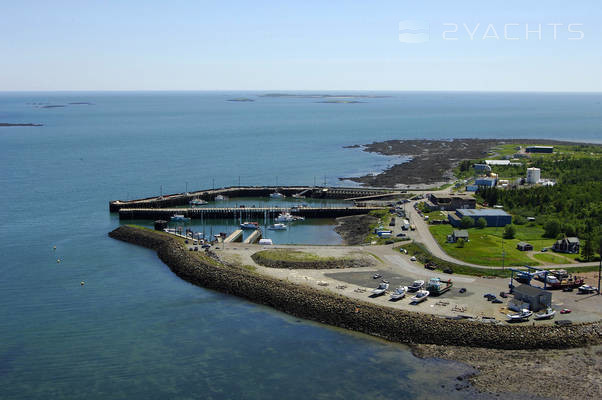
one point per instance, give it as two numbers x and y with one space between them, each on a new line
337 310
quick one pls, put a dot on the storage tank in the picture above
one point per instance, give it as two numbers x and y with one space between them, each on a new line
533 175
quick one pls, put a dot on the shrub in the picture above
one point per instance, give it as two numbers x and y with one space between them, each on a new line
509 232
466 222
519 220
481 223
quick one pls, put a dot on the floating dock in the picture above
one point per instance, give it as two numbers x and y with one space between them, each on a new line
243 213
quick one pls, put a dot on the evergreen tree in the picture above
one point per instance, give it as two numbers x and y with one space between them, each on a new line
509 232
481 223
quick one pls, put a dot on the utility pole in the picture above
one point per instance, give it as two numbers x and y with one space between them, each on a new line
186 187
213 183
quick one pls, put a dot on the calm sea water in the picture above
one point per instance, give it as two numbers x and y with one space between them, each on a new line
134 330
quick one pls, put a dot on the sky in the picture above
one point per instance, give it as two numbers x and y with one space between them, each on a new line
303 45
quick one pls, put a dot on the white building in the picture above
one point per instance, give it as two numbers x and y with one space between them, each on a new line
533 175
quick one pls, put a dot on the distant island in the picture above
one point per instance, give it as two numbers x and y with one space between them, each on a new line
53 106
324 96
242 99
28 124
341 101
85 103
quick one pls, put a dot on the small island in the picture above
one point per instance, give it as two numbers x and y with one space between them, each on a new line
6 124
241 99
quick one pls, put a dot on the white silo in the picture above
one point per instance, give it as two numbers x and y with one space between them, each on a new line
533 175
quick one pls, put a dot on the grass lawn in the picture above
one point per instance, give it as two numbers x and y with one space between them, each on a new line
551 258
485 245
436 216
294 255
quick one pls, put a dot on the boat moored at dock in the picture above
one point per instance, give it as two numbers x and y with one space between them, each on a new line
179 218
249 225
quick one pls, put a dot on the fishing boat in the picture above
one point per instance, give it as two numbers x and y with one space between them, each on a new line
547 314
249 225
437 287
277 195
399 293
586 289
179 218
522 316
416 286
420 296
277 227
198 202
288 217
381 289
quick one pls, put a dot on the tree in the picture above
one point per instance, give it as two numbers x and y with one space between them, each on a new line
466 222
481 223
509 232
587 250
551 228
460 243
519 220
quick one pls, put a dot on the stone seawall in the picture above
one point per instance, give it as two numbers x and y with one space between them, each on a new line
337 310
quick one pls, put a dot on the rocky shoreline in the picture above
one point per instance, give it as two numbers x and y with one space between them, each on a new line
337 310
542 373
354 229
432 161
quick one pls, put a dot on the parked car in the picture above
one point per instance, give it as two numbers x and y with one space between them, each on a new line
412 258
565 311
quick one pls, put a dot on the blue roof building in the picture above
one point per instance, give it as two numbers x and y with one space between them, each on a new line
494 217
487 182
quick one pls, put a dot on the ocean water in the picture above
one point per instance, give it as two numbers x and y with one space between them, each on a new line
135 330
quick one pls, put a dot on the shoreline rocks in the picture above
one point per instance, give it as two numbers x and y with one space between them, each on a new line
338 310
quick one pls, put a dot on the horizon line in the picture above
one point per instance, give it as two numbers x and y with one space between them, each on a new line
301 90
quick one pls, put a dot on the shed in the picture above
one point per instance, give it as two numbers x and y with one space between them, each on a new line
537 299
524 246
458 234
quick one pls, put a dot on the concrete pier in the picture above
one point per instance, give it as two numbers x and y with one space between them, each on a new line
235 236
316 192
253 237
258 212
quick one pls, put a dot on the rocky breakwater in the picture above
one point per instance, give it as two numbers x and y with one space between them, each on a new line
292 259
330 308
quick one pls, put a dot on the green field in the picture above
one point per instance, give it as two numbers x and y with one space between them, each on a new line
551 258
485 245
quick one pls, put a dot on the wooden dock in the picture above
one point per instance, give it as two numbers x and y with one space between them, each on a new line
315 192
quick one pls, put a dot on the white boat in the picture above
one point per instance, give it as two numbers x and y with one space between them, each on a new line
416 286
524 315
249 225
265 241
277 227
298 196
421 295
399 293
277 195
220 197
587 289
288 217
547 314
381 289
179 218
198 202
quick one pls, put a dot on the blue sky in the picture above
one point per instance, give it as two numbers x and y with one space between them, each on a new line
310 45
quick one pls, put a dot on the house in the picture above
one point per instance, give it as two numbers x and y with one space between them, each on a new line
494 217
540 149
450 203
530 297
524 246
457 234
567 245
